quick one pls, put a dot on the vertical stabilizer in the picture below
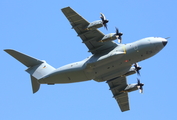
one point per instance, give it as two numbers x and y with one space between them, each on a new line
35 84
40 70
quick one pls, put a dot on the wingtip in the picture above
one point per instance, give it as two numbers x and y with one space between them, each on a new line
65 7
8 50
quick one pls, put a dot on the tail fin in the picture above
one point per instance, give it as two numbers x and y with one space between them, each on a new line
35 84
36 68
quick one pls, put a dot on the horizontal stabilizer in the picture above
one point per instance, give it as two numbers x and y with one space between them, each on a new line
25 59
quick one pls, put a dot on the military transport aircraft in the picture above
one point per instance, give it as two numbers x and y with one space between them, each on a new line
110 61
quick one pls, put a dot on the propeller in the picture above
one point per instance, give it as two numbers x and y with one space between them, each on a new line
140 85
137 68
118 35
104 20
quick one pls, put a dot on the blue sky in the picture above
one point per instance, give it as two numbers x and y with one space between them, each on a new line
39 28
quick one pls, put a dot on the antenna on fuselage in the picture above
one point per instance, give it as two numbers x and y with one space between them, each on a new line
167 37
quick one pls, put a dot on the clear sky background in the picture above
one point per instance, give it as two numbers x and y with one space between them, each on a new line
39 28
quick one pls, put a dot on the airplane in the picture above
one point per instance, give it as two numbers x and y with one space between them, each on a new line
109 61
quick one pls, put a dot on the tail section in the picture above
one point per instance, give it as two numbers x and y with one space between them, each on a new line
36 68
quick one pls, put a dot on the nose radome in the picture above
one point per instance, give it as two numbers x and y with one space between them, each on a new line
164 42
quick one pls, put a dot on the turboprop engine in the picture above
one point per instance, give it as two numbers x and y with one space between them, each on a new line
98 23
113 36
135 69
108 37
95 24
133 87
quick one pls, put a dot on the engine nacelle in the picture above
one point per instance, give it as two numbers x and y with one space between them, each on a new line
130 88
95 24
108 37
131 71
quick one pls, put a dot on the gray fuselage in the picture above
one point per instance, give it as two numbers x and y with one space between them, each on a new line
107 65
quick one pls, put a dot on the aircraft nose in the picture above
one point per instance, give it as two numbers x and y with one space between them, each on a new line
164 42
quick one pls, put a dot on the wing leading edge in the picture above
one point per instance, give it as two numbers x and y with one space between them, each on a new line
89 37
116 86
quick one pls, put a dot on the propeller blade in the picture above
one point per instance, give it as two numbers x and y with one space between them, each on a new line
137 68
104 20
118 35
141 90
120 39
138 81
138 72
102 17
117 31
140 86
105 25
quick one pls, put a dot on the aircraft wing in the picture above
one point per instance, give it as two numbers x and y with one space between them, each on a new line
89 37
116 86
